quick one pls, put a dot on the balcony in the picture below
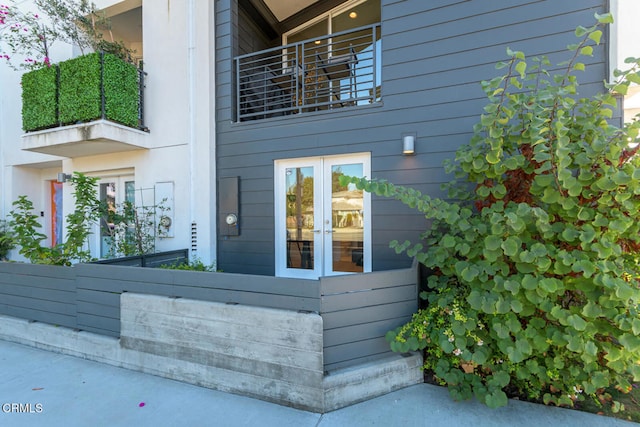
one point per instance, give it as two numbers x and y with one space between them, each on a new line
340 70
85 106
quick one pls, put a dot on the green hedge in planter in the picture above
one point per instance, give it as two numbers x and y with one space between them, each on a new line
81 94
80 99
39 99
120 91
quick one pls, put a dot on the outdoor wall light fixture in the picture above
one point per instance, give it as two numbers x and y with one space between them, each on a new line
64 177
408 143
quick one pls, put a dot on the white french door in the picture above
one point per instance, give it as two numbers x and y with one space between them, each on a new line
322 227
114 191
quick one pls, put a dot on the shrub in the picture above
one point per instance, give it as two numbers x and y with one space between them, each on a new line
132 230
535 284
6 240
25 226
193 265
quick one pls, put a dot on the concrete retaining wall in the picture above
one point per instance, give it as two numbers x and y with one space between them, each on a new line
270 354
259 352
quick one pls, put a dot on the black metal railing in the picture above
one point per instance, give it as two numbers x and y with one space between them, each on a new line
334 71
141 85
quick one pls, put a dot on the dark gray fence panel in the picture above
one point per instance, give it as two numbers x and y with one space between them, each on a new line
43 293
100 325
363 315
368 298
100 286
355 352
358 310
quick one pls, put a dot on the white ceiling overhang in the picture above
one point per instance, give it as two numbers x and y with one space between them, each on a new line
283 9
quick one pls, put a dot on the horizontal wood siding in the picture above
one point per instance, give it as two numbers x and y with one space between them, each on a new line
358 310
40 293
434 55
99 289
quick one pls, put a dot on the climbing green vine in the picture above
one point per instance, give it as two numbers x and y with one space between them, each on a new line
535 278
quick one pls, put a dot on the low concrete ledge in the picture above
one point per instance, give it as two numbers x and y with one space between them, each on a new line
269 354
355 384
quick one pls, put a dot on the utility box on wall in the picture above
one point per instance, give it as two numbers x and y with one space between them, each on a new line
229 215
164 200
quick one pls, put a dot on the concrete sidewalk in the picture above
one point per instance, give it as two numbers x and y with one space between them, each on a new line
58 390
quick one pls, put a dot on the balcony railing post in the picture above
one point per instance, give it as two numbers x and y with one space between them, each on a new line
238 88
141 75
374 64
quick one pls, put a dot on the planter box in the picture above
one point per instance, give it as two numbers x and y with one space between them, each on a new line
155 260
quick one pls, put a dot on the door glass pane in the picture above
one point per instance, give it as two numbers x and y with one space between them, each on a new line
129 208
347 218
108 197
56 213
130 192
300 212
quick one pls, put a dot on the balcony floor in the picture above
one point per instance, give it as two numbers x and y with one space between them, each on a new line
86 139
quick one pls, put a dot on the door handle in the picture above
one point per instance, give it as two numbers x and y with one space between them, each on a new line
316 231
328 231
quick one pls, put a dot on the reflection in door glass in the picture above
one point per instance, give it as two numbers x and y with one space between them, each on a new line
108 197
300 210
347 218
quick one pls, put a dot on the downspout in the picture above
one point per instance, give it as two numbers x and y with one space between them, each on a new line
192 119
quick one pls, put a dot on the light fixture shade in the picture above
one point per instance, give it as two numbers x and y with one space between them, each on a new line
64 177
408 144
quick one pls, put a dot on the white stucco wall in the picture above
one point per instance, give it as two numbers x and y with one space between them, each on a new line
179 109
626 43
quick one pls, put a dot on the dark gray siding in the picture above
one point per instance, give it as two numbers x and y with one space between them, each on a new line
42 293
358 310
434 54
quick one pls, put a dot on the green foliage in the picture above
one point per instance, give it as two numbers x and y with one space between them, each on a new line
6 240
80 97
193 265
132 230
121 91
80 222
535 284
30 35
39 103
25 226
